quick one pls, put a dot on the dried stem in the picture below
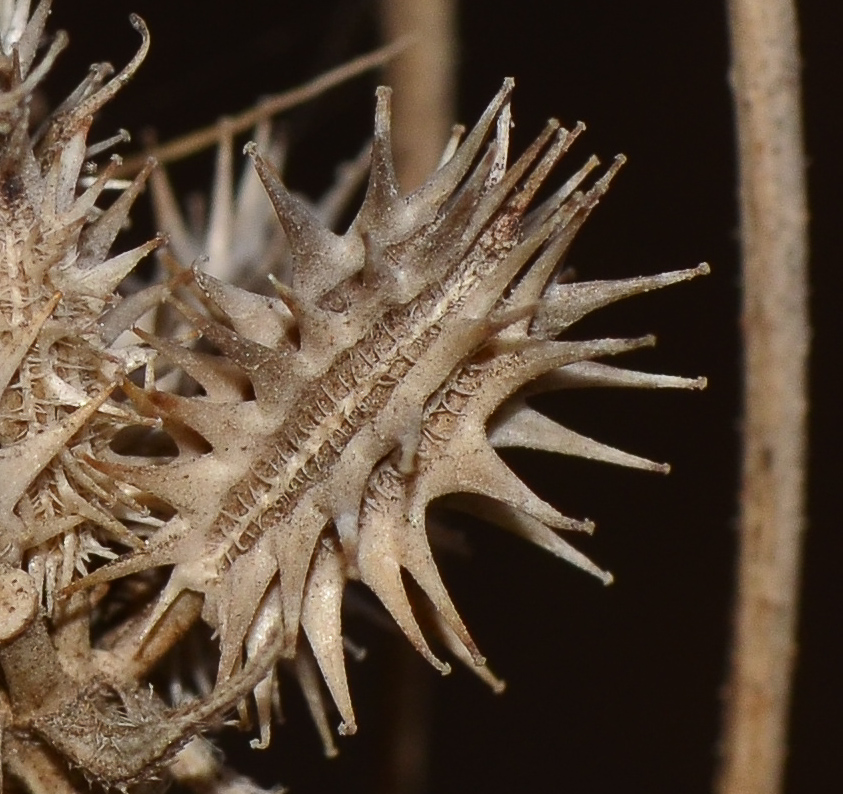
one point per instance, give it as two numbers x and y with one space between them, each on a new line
423 104
424 79
775 322
42 771
270 106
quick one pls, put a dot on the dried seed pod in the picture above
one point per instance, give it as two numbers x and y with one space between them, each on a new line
390 366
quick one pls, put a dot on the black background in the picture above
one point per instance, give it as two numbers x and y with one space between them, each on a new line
609 688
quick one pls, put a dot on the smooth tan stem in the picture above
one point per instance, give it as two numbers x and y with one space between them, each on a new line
31 668
424 81
773 207
41 771
423 109
135 659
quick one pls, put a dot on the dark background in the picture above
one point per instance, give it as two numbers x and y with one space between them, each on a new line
614 688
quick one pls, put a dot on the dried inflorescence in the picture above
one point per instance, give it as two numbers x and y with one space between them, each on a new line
58 280
239 457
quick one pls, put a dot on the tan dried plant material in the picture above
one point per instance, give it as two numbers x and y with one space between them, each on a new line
236 458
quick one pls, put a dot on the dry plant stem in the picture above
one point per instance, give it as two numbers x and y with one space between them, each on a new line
43 772
775 323
270 106
423 79
137 662
410 711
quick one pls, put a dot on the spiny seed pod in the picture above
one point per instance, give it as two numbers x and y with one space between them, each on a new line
381 377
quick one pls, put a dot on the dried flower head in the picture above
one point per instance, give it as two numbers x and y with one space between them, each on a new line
59 360
261 452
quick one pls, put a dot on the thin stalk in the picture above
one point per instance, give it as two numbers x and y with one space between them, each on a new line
773 208
424 82
211 135
423 106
